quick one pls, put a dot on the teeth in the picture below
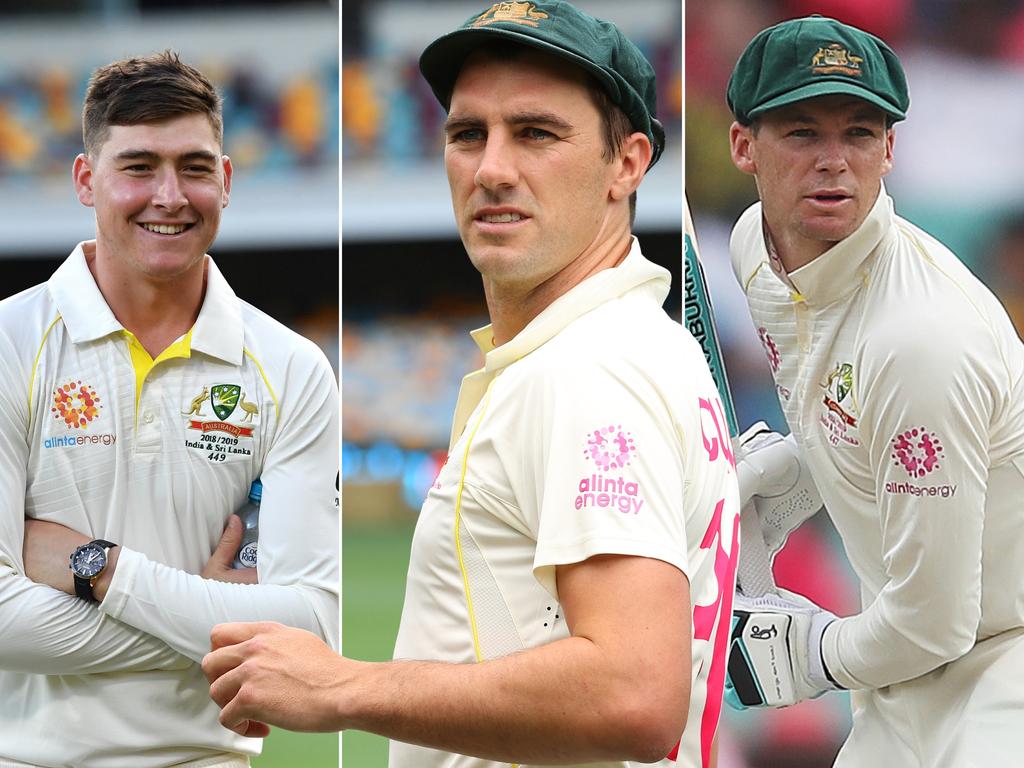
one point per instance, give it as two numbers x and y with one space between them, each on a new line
501 218
165 229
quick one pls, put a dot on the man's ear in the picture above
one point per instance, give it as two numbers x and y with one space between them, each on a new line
890 142
632 161
741 147
228 170
81 174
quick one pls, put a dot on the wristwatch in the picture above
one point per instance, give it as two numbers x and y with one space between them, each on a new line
87 563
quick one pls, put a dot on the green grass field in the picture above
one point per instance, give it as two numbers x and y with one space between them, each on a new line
374 563
283 749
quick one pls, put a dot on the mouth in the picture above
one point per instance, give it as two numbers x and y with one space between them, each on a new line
499 216
166 229
829 197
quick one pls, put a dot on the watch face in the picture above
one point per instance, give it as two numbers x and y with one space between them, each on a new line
88 560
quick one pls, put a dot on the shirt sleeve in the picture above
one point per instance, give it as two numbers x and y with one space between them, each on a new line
924 420
298 538
607 470
45 631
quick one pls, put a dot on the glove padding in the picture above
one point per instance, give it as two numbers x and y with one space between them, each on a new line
775 651
772 474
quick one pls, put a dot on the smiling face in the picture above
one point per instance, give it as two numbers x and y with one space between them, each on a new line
158 190
531 189
818 165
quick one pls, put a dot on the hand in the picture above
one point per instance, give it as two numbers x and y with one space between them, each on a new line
269 673
773 476
775 651
218 567
47 552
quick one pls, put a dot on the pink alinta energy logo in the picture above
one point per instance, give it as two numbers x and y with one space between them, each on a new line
918 451
609 447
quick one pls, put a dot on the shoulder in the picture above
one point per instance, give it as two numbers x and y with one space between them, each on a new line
26 317
627 347
277 349
746 245
629 329
927 320
922 300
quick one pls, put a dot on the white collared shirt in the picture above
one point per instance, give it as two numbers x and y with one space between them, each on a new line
154 456
583 435
902 380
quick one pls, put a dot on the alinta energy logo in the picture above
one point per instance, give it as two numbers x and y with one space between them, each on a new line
918 451
610 448
77 405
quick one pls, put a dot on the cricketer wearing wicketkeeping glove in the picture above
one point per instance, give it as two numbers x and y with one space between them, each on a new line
139 399
572 570
902 381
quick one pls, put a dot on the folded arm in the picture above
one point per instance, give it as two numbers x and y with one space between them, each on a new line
298 541
45 631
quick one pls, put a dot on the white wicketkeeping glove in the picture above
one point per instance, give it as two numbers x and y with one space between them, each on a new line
775 651
772 474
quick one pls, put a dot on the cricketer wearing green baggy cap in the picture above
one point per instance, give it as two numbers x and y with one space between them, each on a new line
800 86
855 303
547 610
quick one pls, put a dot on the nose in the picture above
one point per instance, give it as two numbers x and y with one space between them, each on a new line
169 194
832 156
497 166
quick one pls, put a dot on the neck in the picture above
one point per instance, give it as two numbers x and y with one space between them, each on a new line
156 311
513 306
794 253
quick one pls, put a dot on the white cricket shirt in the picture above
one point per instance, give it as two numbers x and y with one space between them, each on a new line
591 432
152 455
902 379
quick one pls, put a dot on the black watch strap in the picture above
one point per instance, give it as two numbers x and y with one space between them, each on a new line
83 586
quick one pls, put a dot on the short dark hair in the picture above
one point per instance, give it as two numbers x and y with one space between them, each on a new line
615 128
148 89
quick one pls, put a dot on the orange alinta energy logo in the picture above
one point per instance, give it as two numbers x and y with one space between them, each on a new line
76 404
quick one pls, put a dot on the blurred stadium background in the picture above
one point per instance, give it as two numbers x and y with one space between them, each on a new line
410 296
957 175
276 64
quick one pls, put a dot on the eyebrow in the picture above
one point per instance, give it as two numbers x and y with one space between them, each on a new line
461 122
151 156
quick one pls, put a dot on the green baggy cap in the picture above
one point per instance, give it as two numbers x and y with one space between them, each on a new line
563 30
815 56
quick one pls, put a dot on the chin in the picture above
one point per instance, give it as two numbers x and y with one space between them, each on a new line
493 260
831 232
170 267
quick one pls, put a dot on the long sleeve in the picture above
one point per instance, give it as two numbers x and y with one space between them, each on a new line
43 630
925 419
298 539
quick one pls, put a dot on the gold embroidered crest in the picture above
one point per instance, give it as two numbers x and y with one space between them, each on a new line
515 12
834 59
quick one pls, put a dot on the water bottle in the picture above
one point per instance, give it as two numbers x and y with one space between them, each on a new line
250 514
